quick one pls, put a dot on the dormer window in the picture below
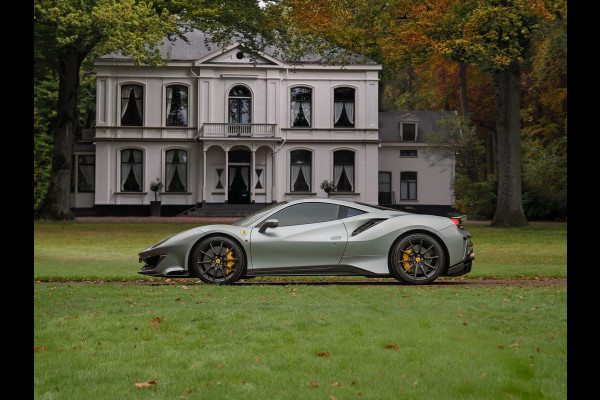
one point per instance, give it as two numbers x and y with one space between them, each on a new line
408 131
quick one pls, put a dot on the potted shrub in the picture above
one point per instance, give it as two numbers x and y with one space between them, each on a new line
155 186
328 186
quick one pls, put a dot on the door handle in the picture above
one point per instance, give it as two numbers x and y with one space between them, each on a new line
335 237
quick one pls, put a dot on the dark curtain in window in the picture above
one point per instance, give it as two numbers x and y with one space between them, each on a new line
343 170
131 105
176 171
177 106
343 107
300 170
300 112
131 170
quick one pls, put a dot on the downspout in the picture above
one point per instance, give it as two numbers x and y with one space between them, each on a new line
287 72
197 137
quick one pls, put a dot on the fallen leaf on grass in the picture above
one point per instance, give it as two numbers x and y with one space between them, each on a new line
323 354
335 384
392 346
146 384
156 322
313 384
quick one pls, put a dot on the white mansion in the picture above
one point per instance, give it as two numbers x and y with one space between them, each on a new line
217 127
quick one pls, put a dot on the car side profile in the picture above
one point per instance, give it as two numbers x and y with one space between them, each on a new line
315 237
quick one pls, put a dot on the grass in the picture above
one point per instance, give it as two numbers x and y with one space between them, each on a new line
294 341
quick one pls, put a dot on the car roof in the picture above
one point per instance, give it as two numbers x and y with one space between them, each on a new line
348 203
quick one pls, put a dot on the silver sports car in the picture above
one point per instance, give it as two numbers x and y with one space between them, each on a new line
317 237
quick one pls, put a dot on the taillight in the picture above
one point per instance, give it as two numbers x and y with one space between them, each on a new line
459 221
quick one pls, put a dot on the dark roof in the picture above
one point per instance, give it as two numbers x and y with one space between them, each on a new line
198 47
389 123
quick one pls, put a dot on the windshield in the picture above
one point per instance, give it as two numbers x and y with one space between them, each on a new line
257 215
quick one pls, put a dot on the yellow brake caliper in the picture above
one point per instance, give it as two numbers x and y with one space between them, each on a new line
405 257
229 263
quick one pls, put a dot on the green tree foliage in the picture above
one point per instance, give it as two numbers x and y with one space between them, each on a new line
72 33
66 32
500 37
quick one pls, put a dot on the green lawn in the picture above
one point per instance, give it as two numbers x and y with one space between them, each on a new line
294 341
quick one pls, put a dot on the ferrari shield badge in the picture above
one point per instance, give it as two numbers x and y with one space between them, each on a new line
244 232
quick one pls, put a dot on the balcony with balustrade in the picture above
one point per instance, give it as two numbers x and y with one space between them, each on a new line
233 130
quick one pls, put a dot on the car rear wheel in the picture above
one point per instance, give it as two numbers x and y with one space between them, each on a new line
417 259
218 259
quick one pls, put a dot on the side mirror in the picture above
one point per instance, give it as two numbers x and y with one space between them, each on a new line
270 223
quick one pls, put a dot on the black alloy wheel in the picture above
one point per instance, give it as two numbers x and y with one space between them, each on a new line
417 259
218 259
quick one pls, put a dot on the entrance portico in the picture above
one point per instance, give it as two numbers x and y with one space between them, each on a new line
237 173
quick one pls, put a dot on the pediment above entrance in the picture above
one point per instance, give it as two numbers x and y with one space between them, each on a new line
235 55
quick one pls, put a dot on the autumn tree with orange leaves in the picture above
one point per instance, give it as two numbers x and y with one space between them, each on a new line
496 36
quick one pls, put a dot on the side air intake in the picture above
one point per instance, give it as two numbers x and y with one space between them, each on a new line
367 225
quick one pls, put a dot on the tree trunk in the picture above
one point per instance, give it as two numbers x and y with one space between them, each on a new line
509 209
57 203
464 106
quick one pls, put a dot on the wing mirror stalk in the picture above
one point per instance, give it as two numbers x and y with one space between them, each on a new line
270 223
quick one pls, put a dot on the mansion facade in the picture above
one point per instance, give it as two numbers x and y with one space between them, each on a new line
216 126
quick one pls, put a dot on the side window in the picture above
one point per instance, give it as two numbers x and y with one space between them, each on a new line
132 105
343 107
176 171
306 213
300 170
408 185
131 170
301 106
177 105
347 212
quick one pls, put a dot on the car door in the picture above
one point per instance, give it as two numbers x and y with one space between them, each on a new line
308 236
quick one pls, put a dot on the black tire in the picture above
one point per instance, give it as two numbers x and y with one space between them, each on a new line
218 259
417 259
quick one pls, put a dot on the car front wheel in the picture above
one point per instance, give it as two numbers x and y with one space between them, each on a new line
417 259
218 259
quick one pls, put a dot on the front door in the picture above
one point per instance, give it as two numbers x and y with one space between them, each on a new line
239 184
309 236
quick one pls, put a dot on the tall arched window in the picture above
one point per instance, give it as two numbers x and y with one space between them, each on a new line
176 171
343 170
132 105
300 106
240 105
300 170
343 107
131 170
177 105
